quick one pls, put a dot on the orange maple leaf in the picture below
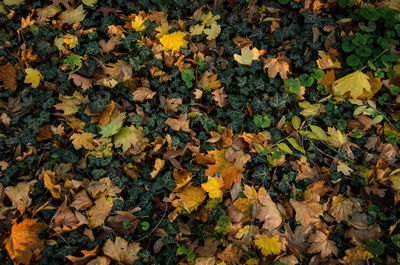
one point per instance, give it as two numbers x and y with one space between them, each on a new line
228 171
24 242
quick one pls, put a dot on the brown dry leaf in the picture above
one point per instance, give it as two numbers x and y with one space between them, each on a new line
220 97
307 212
360 236
158 166
268 211
304 169
110 44
275 66
242 42
23 244
341 208
7 76
328 80
102 187
208 80
315 191
122 252
49 178
142 93
173 104
81 201
117 223
65 220
87 255
181 178
100 211
19 195
320 243
182 123
68 105
326 62
80 81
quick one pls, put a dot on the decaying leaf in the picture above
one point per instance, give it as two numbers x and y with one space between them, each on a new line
122 252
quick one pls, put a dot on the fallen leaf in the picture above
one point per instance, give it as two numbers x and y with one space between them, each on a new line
19 195
142 93
182 123
124 223
320 243
23 244
100 211
357 254
307 212
73 15
213 187
341 208
275 66
87 255
267 244
113 127
247 56
174 41
353 85
84 140
33 77
81 201
122 252
49 178
158 166
80 81
131 138
7 76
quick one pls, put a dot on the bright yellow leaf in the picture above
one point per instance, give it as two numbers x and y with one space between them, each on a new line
213 187
352 85
32 76
174 41
247 56
138 23
191 198
268 244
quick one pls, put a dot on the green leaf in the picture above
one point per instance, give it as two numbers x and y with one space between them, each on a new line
293 85
115 124
318 74
73 60
319 132
89 2
306 80
377 119
285 147
359 110
375 246
295 144
262 121
394 90
296 122
145 226
396 239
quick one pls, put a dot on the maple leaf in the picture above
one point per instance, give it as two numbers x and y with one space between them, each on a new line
267 244
357 254
227 169
247 56
73 15
326 62
174 41
213 187
353 85
100 211
182 123
309 109
275 66
84 140
137 21
33 77
213 31
19 195
122 252
65 220
68 105
336 137
131 137
104 118
307 212
320 243
80 81
190 198
103 187
23 242
181 178
7 76
142 93
268 211
163 29
99 261
341 208
118 222
116 120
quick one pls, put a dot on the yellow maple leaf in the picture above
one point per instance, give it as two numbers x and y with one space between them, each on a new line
163 29
191 198
196 29
70 40
268 244
73 15
84 140
138 23
174 41
357 254
213 187
32 76
213 31
247 56
68 105
353 85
